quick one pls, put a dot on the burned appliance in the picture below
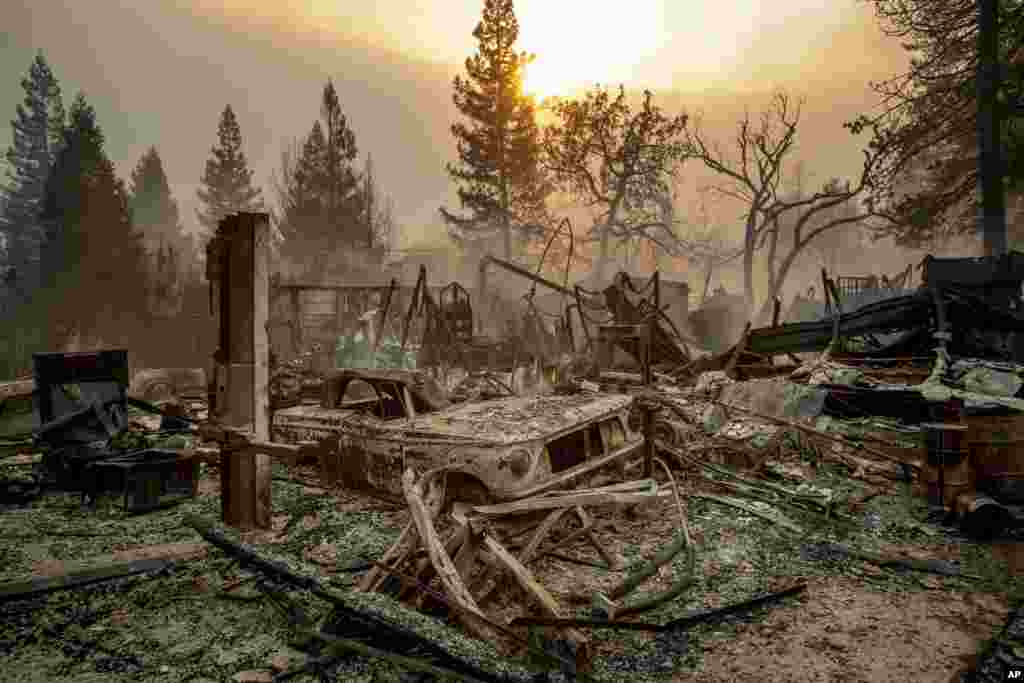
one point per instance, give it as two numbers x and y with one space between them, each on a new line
81 402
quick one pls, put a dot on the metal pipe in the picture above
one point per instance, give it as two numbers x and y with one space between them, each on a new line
519 270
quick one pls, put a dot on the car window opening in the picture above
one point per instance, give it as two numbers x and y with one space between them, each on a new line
572 449
392 407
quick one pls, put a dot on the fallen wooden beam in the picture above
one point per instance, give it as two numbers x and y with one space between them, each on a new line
528 583
579 533
738 350
572 474
400 549
442 562
594 497
19 590
523 576
470 546
542 531
941 567
697 617
634 485
455 543
370 622
541 653
588 523
335 643
824 435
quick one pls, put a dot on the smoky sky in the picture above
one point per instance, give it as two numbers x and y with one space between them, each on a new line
159 73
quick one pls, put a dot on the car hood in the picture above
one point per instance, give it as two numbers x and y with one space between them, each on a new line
505 421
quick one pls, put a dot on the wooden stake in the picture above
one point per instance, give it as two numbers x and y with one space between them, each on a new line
588 523
442 562
470 546
741 345
528 583
401 547
541 533
523 576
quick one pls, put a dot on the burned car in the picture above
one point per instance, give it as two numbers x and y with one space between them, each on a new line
380 422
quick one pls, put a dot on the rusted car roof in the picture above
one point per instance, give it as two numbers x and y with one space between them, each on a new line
513 420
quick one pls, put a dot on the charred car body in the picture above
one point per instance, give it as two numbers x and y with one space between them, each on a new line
380 422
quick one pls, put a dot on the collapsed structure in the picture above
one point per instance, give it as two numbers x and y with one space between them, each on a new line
505 448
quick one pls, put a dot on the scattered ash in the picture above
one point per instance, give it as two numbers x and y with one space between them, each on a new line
663 654
129 664
873 521
821 552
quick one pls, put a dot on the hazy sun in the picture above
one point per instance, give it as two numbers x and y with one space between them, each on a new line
581 42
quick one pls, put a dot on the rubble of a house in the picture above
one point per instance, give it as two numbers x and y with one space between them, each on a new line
524 467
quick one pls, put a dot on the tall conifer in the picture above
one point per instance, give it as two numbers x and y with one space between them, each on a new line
501 183
227 179
37 129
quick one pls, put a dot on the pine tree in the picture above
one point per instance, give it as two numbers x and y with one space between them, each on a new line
155 214
928 182
154 211
338 182
377 210
368 199
227 179
302 208
501 181
92 258
37 130
319 193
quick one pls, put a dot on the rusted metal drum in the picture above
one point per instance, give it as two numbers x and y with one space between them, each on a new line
996 447
955 480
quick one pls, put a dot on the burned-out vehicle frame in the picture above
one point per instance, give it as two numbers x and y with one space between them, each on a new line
377 423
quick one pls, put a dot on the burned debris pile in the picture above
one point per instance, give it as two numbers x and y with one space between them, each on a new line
549 487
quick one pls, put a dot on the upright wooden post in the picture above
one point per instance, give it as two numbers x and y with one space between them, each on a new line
244 356
260 333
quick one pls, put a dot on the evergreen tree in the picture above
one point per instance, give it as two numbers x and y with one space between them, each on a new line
501 181
92 258
302 208
37 130
338 182
319 193
368 199
928 127
227 179
154 211
155 214
377 211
